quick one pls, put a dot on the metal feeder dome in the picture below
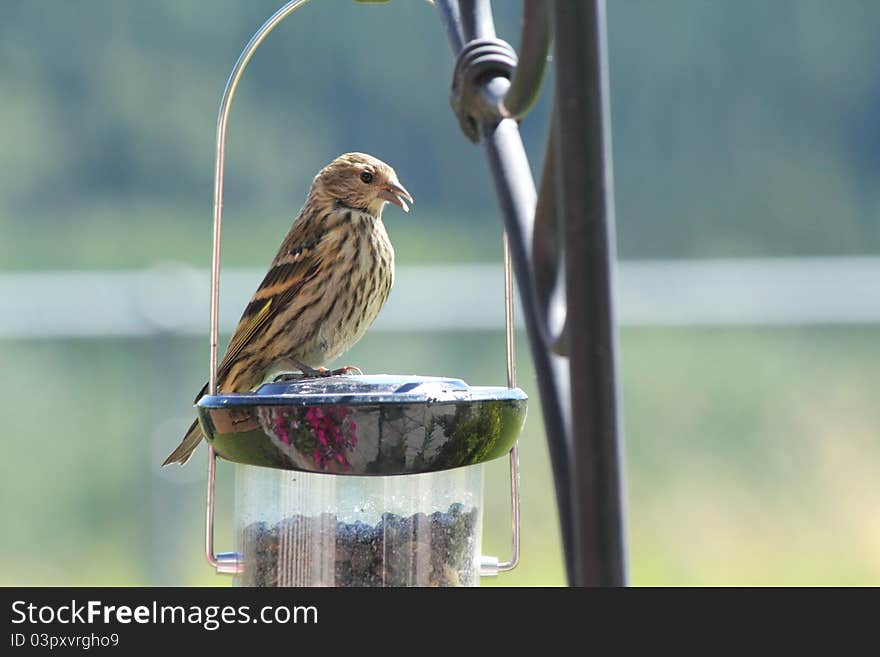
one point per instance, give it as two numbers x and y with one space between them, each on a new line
382 424
355 480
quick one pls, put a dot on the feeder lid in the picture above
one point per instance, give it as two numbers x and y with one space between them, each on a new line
365 425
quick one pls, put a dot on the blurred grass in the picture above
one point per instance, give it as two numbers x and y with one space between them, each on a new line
117 235
751 457
751 454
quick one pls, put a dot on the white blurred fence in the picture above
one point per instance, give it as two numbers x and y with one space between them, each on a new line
174 299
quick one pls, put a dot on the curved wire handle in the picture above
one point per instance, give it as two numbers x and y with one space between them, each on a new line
227 562
220 161
231 562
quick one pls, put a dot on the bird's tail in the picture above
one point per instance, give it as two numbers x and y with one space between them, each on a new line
187 446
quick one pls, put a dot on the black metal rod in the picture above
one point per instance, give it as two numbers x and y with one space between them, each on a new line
451 17
548 250
515 189
534 44
585 203
476 20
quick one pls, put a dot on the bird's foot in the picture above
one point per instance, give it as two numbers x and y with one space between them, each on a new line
324 372
306 372
348 369
285 377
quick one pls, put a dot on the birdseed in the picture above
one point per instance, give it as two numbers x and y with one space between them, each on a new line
418 550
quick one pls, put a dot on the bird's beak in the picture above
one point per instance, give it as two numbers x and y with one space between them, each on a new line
395 193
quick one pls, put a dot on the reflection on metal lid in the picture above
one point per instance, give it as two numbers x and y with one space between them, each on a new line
364 389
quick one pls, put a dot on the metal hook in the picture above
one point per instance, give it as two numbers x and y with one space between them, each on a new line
491 566
220 161
229 562
511 383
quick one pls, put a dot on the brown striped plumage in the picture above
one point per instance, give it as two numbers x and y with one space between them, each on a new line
328 281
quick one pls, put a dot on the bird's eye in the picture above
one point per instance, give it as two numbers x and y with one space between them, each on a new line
367 177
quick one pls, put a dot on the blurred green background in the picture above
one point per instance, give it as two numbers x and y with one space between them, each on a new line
740 130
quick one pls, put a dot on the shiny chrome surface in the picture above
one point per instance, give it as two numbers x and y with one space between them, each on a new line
365 425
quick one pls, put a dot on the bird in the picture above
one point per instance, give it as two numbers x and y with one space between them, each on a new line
330 278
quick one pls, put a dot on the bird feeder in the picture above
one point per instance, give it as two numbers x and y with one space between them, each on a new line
367 480
361 480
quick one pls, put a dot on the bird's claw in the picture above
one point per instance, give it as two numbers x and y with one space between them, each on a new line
348 369
307 372
284 377
324 372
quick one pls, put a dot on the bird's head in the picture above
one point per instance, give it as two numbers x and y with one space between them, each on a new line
361 182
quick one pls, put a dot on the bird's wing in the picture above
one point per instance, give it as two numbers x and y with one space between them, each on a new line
290 271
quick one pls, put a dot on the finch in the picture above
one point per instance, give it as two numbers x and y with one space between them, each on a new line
324 288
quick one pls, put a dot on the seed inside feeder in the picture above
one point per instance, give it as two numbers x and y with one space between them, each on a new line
416 550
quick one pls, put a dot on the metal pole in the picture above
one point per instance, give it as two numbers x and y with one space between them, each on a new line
585 199
574 224
534 44
466 21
